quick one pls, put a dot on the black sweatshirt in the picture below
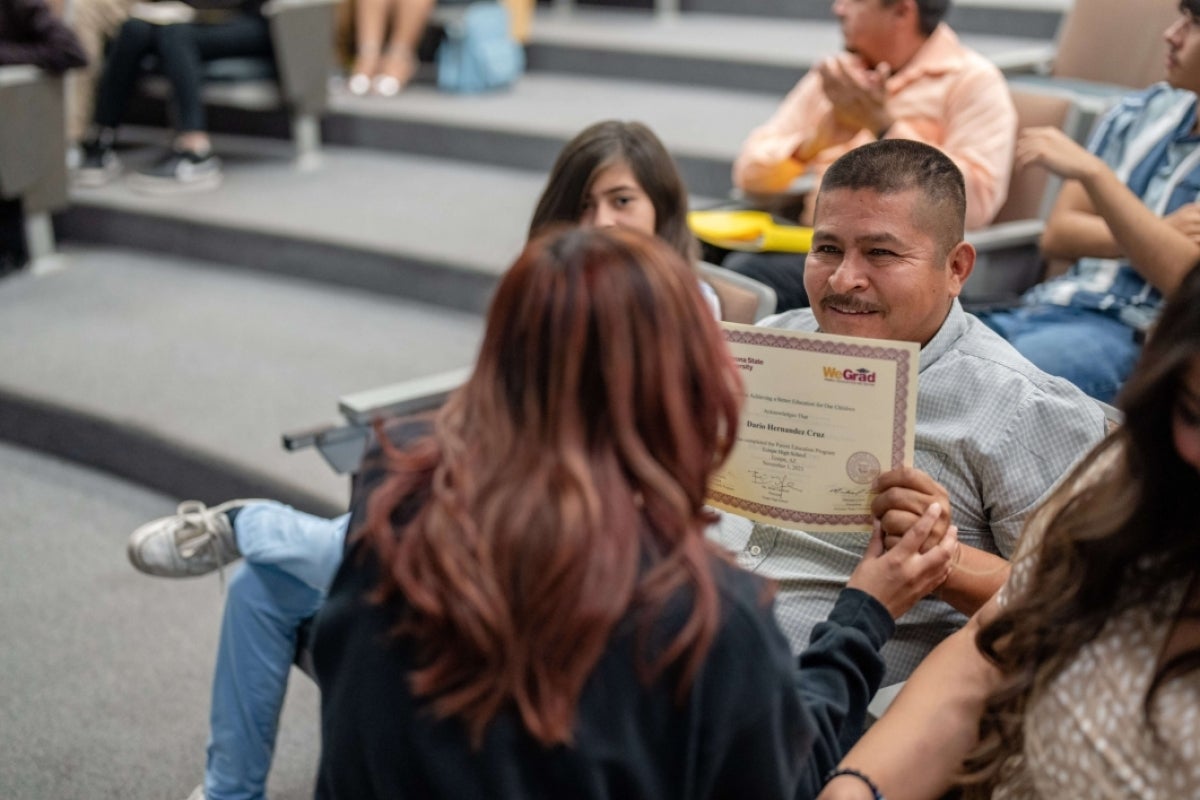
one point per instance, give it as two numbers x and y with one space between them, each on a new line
755 724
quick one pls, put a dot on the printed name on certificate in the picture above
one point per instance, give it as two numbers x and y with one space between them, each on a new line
823 416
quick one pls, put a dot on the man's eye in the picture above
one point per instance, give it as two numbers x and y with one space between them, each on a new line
826 249
879 252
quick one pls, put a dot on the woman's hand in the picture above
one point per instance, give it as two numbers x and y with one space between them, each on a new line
903 575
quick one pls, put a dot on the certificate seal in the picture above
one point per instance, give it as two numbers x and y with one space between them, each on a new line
862 467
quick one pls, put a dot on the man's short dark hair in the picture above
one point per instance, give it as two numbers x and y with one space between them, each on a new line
891 166
930 13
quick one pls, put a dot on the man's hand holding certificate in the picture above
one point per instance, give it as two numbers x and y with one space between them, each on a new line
824 416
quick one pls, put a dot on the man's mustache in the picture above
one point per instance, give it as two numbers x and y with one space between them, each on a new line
848 303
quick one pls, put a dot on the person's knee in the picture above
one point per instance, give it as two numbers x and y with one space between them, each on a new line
173 37
246 591
135 34
263 593
1085 356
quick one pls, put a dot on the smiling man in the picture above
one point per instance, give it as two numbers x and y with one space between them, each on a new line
993 432
904 75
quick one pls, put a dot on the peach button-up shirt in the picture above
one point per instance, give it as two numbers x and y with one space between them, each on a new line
947 96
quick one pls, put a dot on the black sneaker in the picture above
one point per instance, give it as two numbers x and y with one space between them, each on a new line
98 165
179 171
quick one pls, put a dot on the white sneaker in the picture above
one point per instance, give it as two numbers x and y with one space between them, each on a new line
195 540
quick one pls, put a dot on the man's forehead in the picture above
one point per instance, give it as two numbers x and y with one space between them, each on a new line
866 213
844 195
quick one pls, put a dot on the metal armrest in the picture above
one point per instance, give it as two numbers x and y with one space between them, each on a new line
342 444
1018 233
1008 262
775 202
406 397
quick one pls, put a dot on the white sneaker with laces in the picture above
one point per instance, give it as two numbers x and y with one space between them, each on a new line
193 541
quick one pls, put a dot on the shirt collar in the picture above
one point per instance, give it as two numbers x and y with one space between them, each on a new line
941 53
954 326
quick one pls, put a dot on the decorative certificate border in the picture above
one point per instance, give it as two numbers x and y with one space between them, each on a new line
900 356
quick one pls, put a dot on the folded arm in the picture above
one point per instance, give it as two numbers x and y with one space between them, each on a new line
1098 215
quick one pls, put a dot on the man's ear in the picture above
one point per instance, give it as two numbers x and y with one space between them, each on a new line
904 9
960 261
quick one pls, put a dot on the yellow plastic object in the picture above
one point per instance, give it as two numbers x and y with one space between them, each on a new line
746 229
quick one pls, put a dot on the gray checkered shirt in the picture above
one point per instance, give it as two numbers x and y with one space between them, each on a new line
994 430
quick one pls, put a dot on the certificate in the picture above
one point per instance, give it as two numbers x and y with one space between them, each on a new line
823 415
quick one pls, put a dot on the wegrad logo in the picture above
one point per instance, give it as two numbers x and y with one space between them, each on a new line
861 375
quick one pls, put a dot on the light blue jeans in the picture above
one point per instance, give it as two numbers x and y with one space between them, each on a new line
1094 351
290 560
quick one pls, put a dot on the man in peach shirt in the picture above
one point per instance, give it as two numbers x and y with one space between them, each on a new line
905 75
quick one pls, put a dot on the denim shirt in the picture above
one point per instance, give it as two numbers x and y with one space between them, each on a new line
1148 142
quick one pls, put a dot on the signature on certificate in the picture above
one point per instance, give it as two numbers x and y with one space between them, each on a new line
776 487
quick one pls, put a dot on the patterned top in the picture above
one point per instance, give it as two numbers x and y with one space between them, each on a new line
1086 736
1148 142
991 428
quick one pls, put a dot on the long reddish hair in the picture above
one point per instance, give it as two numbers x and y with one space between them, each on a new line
562 487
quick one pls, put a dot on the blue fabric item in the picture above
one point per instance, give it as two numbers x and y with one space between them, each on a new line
1093 350
479 53
291 558
305 546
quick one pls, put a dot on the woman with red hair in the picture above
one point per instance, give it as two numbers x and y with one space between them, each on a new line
528 606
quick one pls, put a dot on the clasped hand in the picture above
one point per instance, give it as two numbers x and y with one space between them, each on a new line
913 544
858 95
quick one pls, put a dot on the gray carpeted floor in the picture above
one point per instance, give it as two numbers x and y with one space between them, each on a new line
104 672
220 360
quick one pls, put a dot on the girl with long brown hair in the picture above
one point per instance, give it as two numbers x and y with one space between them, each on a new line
1081 678
528 606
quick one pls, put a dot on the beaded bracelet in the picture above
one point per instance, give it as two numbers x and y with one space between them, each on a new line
875 793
